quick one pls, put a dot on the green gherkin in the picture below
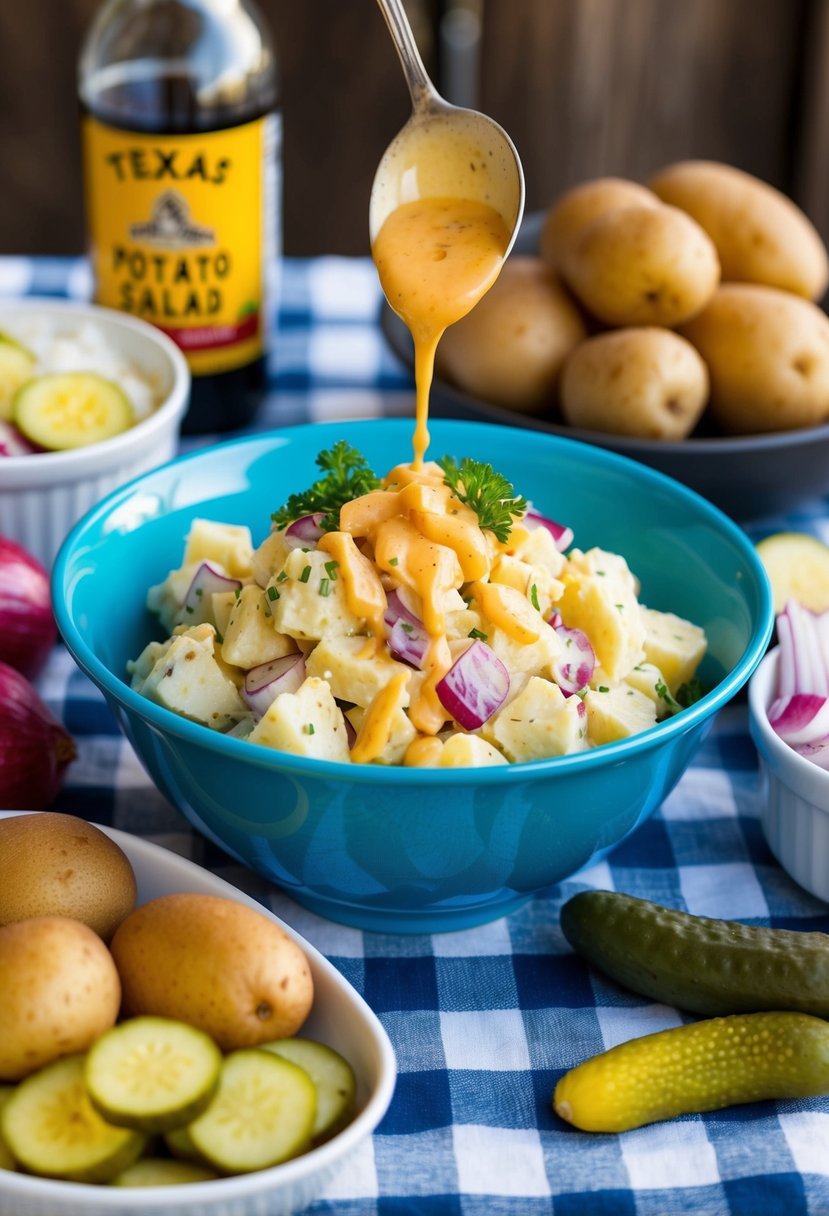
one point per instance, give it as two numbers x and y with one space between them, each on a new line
706 966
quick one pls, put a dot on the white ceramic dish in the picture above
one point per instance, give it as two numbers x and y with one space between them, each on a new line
340 1018
795 814
43 495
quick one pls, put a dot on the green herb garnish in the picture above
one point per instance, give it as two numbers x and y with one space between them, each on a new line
331 569
534 598
488 493
325 587
479 634
306 574
273 594
346 475
690 692
661 689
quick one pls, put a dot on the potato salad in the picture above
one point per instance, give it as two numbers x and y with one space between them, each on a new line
427 618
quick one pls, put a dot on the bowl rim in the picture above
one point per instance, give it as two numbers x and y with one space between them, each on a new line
801 775
195 734
32 470
235 1187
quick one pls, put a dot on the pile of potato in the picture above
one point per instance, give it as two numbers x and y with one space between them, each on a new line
649 306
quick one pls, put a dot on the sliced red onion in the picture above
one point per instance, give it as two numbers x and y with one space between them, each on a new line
561 534
817 752
574 668
304 532
474 687
264 683
399 608
205 582
801 718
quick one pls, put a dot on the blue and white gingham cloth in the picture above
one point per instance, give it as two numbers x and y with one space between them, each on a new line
485 1021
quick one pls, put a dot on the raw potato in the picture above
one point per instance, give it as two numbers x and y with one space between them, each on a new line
59 865
215 963
59 990
642 266
768 358
649 383
579 206
761 235
510 349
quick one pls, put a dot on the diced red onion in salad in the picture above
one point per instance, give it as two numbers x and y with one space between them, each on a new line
474 687
574 668
263 684
304 532
407 638
561 534
207 581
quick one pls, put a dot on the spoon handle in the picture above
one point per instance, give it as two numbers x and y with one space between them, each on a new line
417 78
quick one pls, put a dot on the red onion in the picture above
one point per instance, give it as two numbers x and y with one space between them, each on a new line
562 535
13 443
800 718
305 531
264 683
35 749
474 687
27 626
573 670
205 582
408 640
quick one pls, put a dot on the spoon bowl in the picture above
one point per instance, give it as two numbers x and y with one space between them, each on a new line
443 151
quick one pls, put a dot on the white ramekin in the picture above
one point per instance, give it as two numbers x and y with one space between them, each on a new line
43 495
795 811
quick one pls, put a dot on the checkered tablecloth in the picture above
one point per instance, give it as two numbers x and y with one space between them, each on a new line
485 1021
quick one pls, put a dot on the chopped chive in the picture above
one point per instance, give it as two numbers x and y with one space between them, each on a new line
306 574
200 592
407 627
603 688
237 591
325 586
273 594
309 728
331 569
188 610
393 561
219 637
479 634
280 578
534 598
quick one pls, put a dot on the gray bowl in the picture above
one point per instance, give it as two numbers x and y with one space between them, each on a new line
747 476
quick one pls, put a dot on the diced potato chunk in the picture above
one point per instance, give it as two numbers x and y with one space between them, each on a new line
617 713
469 751
311 601
166 599
539 722
674 645
250 637
269 558
647 678
539 549
307 722
600 598
187 679
353 669
228 544
401 734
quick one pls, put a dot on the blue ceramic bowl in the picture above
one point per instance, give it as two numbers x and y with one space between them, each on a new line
401 849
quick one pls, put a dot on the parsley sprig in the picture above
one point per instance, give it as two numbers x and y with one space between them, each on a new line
488 493
346 475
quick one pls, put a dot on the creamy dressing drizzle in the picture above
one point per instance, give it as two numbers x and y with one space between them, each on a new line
435 257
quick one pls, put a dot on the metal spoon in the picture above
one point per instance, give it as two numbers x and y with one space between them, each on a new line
443 151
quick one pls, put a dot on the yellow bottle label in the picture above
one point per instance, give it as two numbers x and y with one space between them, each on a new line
181 231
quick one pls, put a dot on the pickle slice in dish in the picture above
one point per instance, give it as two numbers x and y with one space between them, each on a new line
152 1073
71 410
52 1128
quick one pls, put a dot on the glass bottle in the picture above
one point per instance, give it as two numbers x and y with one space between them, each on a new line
182 171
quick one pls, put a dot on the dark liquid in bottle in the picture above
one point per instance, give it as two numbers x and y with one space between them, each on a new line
165 102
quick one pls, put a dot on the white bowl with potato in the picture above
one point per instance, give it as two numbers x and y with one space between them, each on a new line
339 1020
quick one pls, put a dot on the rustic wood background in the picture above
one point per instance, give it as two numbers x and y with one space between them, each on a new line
585 87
